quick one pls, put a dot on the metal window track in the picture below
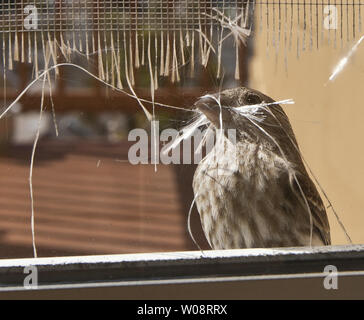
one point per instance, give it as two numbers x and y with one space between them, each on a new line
194 268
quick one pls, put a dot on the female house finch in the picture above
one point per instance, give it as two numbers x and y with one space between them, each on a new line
267 199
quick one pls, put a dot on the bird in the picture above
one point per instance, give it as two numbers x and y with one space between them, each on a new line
253 190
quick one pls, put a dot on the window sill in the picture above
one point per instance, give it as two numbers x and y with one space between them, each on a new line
191 269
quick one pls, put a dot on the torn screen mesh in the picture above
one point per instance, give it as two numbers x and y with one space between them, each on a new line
103 15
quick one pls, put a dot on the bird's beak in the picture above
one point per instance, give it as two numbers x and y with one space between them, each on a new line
214 111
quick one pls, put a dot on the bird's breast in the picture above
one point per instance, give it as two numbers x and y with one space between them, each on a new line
236 189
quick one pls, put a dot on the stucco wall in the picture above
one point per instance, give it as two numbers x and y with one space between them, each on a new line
327 117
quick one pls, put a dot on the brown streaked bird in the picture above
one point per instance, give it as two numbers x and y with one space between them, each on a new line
254 191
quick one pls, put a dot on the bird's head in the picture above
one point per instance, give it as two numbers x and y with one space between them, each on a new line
251 113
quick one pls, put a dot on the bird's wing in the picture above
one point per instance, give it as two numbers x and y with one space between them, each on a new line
317 208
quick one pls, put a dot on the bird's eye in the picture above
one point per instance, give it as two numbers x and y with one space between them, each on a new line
253 99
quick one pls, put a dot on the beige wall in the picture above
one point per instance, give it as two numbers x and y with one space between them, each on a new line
327 119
